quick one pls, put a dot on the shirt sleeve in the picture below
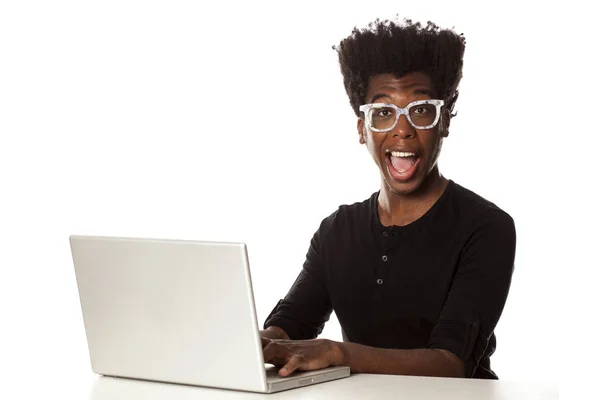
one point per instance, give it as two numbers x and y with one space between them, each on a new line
302 313
479 290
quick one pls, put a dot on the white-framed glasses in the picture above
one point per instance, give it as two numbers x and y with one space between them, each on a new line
383 117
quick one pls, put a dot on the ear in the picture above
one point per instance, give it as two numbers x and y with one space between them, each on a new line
445 123
360 127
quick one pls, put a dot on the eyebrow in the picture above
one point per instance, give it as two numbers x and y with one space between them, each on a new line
415 92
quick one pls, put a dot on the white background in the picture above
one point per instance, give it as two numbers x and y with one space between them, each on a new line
230 122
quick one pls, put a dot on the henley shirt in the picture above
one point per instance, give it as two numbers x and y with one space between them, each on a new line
439 282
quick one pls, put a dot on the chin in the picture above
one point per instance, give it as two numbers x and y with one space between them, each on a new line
403 188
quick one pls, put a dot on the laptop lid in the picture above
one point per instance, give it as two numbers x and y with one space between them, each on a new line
171 311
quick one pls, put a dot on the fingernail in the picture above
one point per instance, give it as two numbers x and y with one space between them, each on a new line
284 370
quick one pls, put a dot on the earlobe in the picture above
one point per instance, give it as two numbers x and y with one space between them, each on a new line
360 128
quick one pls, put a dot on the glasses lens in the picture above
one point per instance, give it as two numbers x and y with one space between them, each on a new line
383 117
423 114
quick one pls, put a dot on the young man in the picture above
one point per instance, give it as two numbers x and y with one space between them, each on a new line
417 274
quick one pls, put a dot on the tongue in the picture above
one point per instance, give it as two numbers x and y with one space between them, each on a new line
402 164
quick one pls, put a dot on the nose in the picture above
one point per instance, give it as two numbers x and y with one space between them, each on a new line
403 128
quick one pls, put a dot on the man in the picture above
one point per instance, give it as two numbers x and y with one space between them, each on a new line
417 274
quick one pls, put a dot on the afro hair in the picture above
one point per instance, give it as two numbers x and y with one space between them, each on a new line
400 48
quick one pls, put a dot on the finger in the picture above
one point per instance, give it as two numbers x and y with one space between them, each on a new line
265 341
276 354
295 362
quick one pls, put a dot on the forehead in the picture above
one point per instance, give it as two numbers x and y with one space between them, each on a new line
404 86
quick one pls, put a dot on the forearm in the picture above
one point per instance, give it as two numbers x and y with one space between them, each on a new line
421 362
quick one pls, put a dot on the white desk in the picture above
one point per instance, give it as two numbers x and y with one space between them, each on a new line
355 387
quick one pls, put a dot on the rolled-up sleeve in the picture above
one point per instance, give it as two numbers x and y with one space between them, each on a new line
479 289
302 313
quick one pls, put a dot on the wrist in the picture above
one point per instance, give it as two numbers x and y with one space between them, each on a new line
336 353
274 332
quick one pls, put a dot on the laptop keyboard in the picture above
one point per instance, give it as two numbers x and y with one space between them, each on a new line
272 372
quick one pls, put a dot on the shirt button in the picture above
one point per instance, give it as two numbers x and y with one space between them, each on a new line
385 234
384 258
380 281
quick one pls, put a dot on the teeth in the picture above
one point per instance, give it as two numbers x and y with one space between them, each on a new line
402 154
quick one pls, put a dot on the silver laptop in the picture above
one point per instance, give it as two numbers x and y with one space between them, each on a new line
176 311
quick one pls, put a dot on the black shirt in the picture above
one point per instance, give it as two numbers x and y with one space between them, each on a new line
439 282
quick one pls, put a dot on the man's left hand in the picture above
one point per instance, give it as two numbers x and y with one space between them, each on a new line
301 355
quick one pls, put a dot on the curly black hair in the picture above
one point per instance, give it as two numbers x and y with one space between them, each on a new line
399 48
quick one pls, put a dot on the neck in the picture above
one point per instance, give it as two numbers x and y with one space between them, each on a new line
403 209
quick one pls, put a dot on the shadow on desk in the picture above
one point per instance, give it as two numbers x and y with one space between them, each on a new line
360 386
108 388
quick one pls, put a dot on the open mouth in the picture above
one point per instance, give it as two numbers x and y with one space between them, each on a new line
402 164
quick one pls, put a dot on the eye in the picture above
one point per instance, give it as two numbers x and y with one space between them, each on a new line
422 110
384 112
